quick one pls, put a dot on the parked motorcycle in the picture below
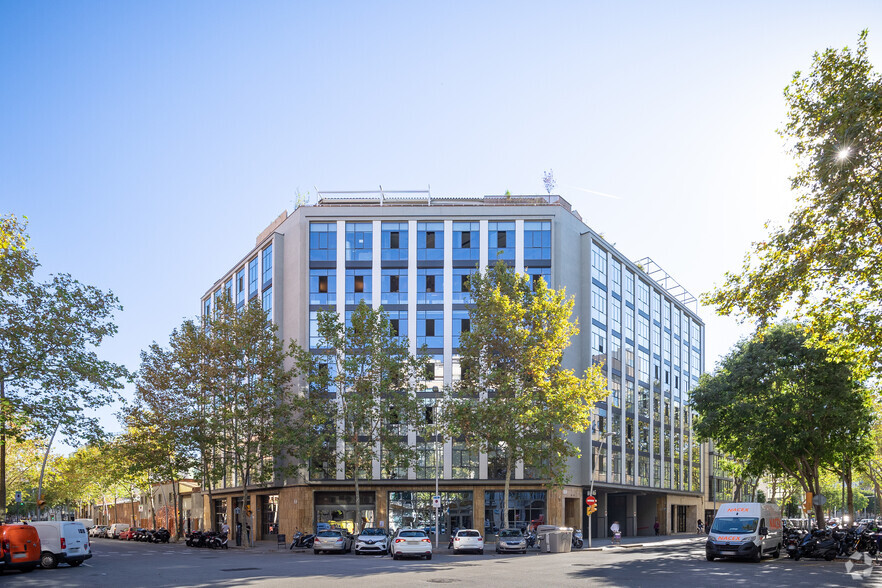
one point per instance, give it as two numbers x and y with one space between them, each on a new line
160 535
531 539
577 539
217 541
818 544
302 540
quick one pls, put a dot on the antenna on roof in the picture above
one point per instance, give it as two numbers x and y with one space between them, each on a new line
382 196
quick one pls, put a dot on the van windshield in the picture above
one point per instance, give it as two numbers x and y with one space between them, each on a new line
734 525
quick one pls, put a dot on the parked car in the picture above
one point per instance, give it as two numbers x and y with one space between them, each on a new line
116 529
130 533
98 531
19 547
510 540
410 543
372 540
332 540
62 542
468 540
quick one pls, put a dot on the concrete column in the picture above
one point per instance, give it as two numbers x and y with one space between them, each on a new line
631 515
602 516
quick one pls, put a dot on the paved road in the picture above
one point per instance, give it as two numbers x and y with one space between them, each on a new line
679 564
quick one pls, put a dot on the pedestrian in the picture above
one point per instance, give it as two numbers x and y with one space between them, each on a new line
700 527
656 527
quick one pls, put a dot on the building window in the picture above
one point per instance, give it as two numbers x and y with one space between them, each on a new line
430 241
268 266
502 241
268 302
430 328
359 241
240 288
537 240
252 278
466 238
461 286
393 240
322 286
461 324
207 308
397 323
430 286
465 462
598 263
535 273
598 303
358 286
394 286
616 275
323 241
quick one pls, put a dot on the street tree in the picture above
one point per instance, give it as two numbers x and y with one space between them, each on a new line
824 268
50 373
360 400
783 407
249 383
516 400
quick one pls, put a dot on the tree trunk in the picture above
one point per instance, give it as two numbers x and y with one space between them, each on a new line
43 470
357 521
132 503
508 461
177 511
849 494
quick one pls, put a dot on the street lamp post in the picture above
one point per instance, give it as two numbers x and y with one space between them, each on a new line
591 491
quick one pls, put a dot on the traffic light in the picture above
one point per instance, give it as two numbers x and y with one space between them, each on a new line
590 510
41 502
808 501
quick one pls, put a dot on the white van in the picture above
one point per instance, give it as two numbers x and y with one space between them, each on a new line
749 530
116 529
88 523
62 542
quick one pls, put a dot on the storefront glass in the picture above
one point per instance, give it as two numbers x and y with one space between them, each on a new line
414 509
269 512
338 509
220 513
525 509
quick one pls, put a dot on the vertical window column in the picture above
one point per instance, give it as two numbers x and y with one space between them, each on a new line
519 247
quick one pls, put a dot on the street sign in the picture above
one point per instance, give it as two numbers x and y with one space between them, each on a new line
18 496
436 502
819 500
590 501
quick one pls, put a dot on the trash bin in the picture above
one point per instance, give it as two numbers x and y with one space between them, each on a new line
560 540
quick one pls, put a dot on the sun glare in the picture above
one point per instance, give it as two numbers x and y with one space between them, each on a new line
843 153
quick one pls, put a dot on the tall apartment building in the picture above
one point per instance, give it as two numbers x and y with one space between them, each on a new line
412 254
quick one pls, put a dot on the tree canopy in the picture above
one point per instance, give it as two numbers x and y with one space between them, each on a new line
515 399
782 407
825 267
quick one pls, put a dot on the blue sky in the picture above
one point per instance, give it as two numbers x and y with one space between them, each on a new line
149 143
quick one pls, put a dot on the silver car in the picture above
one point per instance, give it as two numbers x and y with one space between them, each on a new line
511 540
332 540
372 540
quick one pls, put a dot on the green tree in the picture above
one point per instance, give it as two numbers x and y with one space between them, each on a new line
515 399
825 267
783 407
50 373
249 384
359 402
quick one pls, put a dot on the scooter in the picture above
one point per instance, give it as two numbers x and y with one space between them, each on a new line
218 541
616 538
577 539
531 539
818 544
161 535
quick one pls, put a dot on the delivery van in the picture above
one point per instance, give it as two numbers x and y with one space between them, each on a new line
116 529
62 542
749 530
19 548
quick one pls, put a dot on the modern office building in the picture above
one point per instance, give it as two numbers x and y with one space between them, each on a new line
412 253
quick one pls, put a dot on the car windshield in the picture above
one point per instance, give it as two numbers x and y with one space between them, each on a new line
412 534
469 534
373 532
734 525
330 534
510 533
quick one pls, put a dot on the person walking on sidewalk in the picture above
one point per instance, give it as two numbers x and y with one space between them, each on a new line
700 527
656 527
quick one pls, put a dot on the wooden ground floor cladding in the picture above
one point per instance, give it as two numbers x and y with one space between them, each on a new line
297 504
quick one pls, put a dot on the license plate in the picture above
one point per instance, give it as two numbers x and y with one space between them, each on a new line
413 542
728 552
19 555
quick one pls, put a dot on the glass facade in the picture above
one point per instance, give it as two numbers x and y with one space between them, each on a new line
526 510
414 509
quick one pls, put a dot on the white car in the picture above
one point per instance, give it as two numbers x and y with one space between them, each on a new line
411 542
468 540
372 540
332 540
